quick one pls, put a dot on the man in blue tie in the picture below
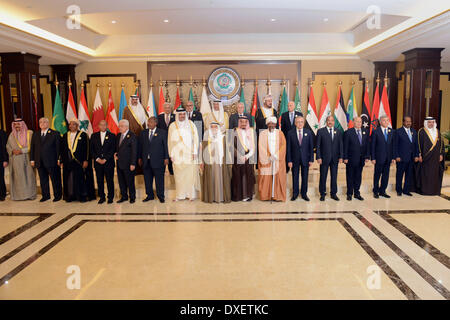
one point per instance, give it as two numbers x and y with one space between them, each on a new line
288 122
382 156
406 152
356 154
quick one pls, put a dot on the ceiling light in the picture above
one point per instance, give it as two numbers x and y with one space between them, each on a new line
114 21
273 20
325 19
166 20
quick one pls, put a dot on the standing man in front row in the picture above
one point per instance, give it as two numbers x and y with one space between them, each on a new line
382 156
300 154
356 154
44 156
406 152
288 121
153 158
103 147
330 151
126 157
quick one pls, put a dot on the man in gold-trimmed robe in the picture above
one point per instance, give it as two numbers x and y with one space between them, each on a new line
22 178
136 115
216 172
183 145
218 115
272 163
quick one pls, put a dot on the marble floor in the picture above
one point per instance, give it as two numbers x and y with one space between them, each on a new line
394 248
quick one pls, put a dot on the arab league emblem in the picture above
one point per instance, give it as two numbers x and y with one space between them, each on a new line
224 84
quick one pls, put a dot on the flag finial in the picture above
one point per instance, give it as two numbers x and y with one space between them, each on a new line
340 82
69 83
56 80
352 82
324 83
242 81
122 84
151 82
82 85
98 85
109 85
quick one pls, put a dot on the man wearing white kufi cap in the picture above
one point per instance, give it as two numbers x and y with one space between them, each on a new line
272 162
136 115
430 169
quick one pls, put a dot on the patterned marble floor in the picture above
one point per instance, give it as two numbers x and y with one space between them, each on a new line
394 248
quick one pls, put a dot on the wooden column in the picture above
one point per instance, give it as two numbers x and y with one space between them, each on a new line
20 80
421 94
64 73
388 67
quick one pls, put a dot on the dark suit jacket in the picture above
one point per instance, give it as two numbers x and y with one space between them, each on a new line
3 153
162 121
260 121
286 125
127 150
382 151
330 151
197 119
233 121
82 151
403 147
156 149
48 150
105 151
296 154
356 153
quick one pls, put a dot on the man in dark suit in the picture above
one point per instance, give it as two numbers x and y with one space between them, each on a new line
233 122
153 157
196 117
300 154
44 155
382 146
103 147
330 151
288 122
406 152
126 157
3 164
164 120
356 154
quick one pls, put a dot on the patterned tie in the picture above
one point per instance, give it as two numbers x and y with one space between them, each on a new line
385 135
300 137
409 135
359 137
167 120
151 136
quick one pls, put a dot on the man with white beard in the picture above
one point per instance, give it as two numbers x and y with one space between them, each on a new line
183 145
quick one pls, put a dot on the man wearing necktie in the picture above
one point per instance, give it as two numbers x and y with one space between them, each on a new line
153 157
240 112
126 157
164 121
329 153
406 152
288 122
382 153
356 154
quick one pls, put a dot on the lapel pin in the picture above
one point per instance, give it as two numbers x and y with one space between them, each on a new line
306 134
128 135
364 133
106 137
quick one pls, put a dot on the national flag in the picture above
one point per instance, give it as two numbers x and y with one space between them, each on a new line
71 111
255 104
161 101
205 107
151 107
311 114
283 105
298 106
242 99
191 98
97 113
177 100
365 110
340 116
385 110
35 106
83 115
375 110
122 104
325 109
111 116
58 120
352 113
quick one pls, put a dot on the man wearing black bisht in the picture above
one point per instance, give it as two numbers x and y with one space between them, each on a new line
430 168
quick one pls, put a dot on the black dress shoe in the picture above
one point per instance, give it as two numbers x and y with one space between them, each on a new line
294 198
359 197
399 194
147 199
375 195
161 200
102 200
44 199
334 197
110 201
349 198
57 199
305 198
2 199
408 194
385 195
132 200
322 198
122 200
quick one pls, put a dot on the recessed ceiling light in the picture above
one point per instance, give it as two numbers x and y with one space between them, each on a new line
114 21
166 20
273 20
325 19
